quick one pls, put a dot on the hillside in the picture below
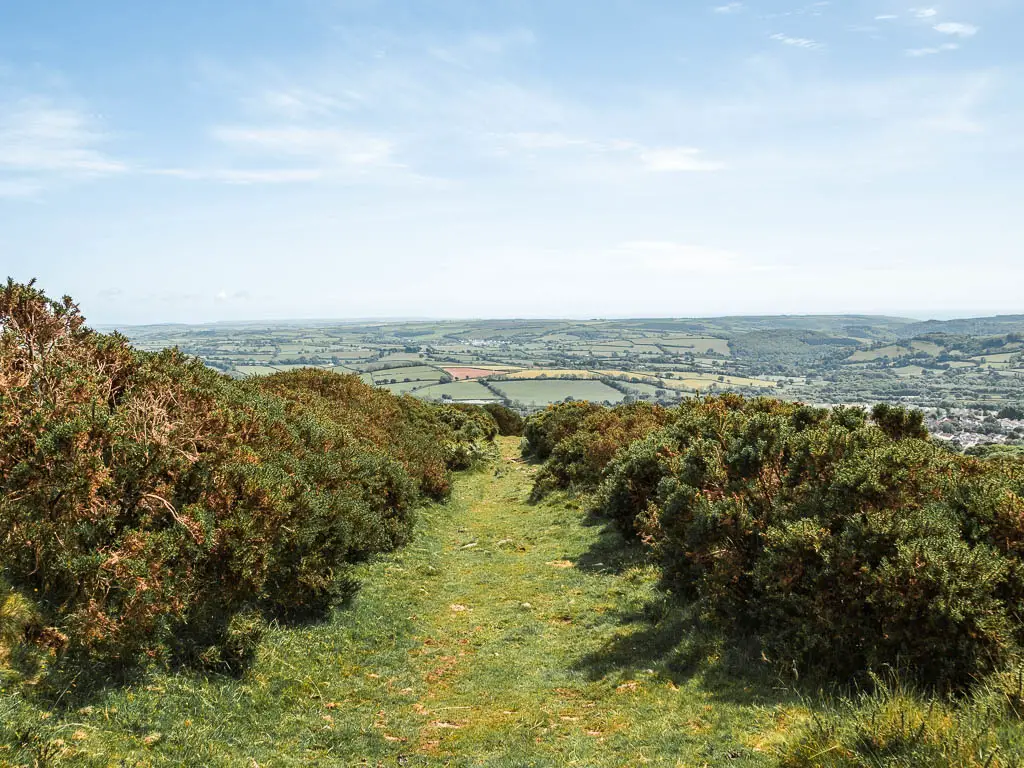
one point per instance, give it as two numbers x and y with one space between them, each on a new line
304 568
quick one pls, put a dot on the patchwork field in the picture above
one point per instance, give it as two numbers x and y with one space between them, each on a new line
826 359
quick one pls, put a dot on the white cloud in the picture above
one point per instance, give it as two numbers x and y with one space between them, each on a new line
42 144
955 28
729 8
659 159
798 42
302 103
245 176
677 159
924 13
919 52
886 17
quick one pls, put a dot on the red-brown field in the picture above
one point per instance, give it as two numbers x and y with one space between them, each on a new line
469 373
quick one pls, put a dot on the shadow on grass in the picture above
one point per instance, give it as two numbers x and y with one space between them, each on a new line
611 552
76 680
669 636
670 639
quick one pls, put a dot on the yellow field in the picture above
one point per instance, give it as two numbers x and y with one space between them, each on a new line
551 373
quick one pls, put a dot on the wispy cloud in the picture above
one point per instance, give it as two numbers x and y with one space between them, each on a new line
333 147
920 52
924 13
42 144
677 159
798 42
729 8
651 158
302 103
956 28
244 176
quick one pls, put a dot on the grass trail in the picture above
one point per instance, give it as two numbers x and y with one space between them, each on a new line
506 634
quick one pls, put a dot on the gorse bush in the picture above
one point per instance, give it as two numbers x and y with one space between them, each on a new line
843 542
509 422
579 439
153 508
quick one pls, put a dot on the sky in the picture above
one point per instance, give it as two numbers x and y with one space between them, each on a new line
187 161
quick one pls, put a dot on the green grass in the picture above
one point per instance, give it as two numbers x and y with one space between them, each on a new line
505 635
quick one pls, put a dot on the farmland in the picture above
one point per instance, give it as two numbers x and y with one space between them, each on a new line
822 359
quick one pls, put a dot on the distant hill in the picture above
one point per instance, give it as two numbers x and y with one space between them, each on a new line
968 326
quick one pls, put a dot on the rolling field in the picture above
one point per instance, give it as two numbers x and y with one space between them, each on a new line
458 390
543 392
421 373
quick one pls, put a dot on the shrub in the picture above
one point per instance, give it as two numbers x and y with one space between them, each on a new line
510 423
844 545
578 459
158 508
549 427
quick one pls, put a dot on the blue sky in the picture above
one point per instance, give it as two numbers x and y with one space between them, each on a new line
196 161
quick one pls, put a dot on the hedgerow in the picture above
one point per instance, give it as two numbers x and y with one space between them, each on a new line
151 508
844 541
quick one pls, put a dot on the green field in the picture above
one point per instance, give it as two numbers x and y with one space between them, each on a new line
458 390
421 373
403 387
534 392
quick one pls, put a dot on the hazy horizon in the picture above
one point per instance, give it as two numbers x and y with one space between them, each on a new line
609 318
360 158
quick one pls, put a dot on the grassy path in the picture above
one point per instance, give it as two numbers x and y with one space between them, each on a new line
506 634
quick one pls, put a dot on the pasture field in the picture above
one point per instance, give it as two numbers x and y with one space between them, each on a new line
540 392
413 373
458 390
648 390
403 387
698 345
256 370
